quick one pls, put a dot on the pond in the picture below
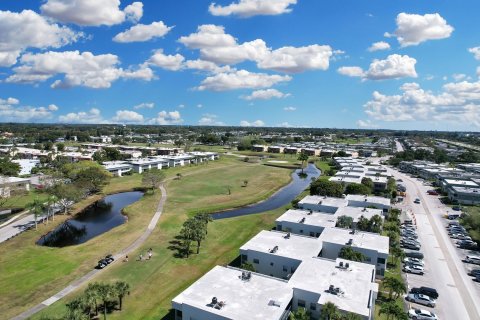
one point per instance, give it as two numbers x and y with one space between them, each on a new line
281 198
96 219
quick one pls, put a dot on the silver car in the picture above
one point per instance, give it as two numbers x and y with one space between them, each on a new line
419 314
421 299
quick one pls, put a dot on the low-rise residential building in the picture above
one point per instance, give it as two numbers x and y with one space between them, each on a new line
375 247
259 148
229 293
321 203
355 200
10 186
145 164
117 168
26 165
275 149
464 195
305 222
349 285
279 254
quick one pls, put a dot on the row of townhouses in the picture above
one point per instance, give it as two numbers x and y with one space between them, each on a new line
460 183
296 266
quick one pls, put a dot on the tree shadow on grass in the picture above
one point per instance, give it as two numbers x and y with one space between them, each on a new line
176 247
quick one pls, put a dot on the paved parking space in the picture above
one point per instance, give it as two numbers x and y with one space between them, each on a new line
459 295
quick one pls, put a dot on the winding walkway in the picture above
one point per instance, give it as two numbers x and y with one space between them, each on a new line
81 281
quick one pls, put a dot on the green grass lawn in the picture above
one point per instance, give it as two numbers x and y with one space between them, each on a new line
44 271
21 201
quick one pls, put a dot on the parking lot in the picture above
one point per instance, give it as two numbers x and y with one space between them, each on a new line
443 266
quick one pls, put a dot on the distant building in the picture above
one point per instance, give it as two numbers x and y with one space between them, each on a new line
10 186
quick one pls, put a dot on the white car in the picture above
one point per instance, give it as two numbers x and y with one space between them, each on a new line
421 299
419 314
415 269
413 261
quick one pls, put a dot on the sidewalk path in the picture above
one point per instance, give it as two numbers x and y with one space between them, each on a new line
81 281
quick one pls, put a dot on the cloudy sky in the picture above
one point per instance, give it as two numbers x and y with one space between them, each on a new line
401 64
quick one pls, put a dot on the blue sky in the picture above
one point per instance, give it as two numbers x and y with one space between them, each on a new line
343 63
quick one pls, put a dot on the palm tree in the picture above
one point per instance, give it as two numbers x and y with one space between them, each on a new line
394 285
391 309
105 292
300 314
350 316
36 207
121 289
206 218
397 253
376 223
92 296
329 311
349 254
51 202
303 157
76 309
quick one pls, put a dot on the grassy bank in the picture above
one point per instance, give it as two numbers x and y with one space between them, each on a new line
46 270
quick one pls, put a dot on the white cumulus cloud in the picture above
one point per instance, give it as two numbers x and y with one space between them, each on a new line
11 110
413 29
167 118
222 48
266 94
393 67
79 69
93 116
289 109
458 103
377 46
256 123
210 120
366 124
143 32
241 79
27 29
475 51
91 12
249 8
169 62
127 116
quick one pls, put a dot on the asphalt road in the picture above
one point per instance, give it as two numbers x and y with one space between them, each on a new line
459 295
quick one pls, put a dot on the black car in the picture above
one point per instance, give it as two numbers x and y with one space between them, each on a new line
431 292
102 264
109 258
474 273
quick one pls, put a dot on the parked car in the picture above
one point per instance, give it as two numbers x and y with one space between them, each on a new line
421 299
419 314
456 208
413 269
453 216
468 246
102 263
472 259
410 246
474 272
410 242
431 292
109 258
432 192
416 201
413 260
413 254
407 222
476 279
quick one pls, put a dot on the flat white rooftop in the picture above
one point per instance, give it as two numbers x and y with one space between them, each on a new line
466 190
293 246
355 283
326 201
465 183
243 299
364 240
315 218
357 212
369 199
348 179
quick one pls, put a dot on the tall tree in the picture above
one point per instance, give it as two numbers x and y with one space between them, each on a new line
329 311
153 178
8 168
363 223
300 314
92 296
121 290
303 157
206 218
36 208
326 188
349 254
394 286
105 293
344 222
